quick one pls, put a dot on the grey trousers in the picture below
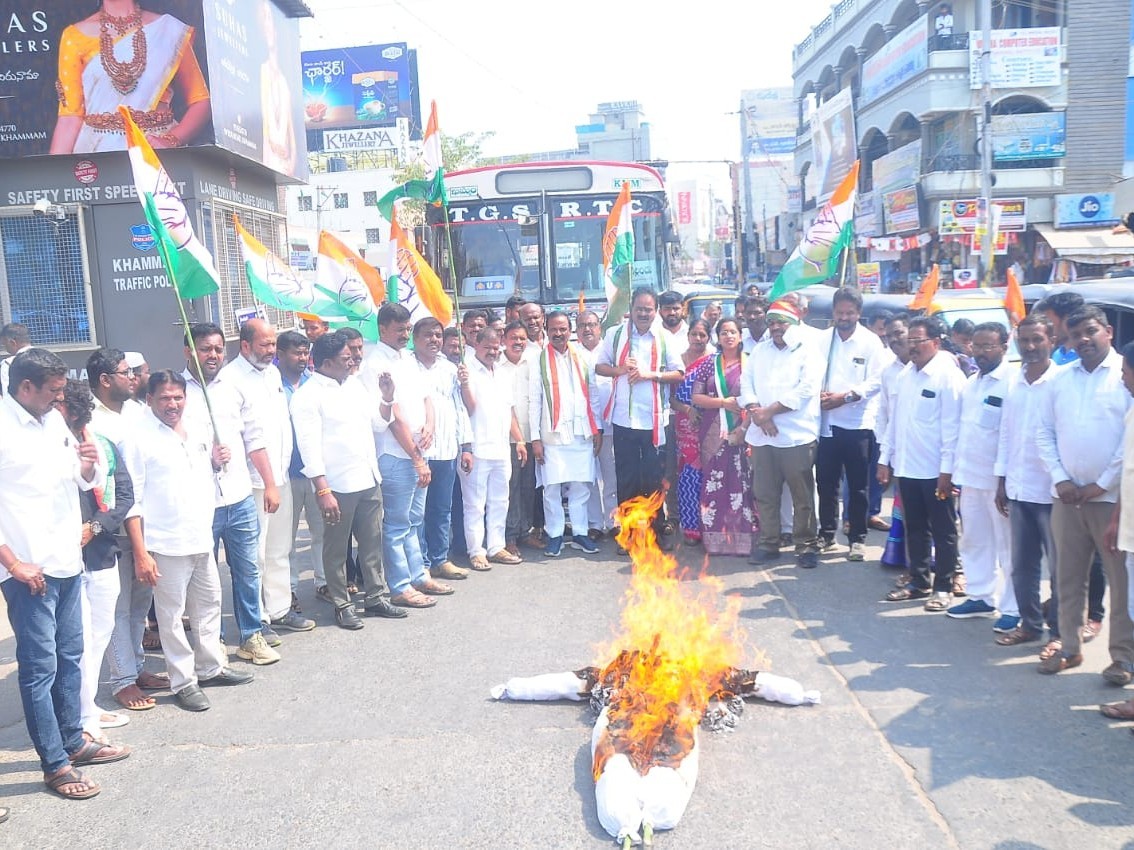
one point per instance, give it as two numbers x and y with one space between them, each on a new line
125 655
362 516
772 468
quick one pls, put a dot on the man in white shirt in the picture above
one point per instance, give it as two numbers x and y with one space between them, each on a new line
984 546
1023 491
920 450
16 339
452 442
172 460
524 491
335 420
41 563
643 368
472 323
256 381
565 432
235 517
487 393
1080 441
603 498
671 322
899 350
401 461
532 318
780 391
849 402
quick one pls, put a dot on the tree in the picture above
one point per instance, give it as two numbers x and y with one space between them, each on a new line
457 152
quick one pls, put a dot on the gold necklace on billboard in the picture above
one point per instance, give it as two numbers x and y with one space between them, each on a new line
123 75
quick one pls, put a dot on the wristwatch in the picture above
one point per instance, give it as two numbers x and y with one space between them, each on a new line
852 397
96 528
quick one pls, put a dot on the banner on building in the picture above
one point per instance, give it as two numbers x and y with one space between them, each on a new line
961 217
833 143
869 277
900 168
1095 210
1021 58
367 86
901 211
900 59
1029 136
770 119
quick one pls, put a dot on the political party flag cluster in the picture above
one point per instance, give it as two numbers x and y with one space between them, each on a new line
432 187
816 258
189 263
275 283
411 281
618 257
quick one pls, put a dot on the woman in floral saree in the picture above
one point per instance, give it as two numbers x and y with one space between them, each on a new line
686 420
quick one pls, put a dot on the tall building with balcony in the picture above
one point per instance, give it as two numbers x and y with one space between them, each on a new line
897 84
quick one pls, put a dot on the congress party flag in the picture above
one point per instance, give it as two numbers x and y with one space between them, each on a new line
190 265
432 187
412 283
816 258
275 283
355 287
618 257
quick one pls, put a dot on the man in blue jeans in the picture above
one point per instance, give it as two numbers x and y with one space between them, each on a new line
42 464
405 471
450 431
235 520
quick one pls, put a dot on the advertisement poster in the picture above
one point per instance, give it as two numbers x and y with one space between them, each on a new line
1128 163
901 58
900 210
833 142
771 117
869 277
256 103
367 86
1019 138
1021 58
1095 210
899 168
960 217
966 279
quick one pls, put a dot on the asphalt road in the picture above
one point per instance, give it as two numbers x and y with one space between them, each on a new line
928 734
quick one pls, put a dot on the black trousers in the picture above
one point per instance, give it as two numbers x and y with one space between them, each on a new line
637 465
931 534
845 450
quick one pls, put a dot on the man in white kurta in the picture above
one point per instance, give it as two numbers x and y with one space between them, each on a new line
565 433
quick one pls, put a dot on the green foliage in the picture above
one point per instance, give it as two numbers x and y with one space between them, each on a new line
457 152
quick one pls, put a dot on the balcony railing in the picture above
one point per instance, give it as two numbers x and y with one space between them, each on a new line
953 162
956 41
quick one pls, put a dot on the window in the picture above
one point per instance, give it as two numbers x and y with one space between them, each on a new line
305 203
341 200
370 198
373 236
43 285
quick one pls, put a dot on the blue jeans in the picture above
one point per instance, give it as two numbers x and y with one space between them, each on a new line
403 504
239 527
1031 541
49 645
435 529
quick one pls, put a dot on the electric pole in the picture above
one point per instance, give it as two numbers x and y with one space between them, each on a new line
985 205
748 233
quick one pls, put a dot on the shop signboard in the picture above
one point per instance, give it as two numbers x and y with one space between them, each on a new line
1029 57
1094 210
869 276
901 58
1030 136
900 168
900 210
961 217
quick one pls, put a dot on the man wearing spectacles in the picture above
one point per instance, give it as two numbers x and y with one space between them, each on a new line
919 448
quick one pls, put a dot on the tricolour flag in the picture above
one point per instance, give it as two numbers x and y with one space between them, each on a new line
816 258
618 257
432 188
1014 299
355 287
928 290
275 283
412 283
190 266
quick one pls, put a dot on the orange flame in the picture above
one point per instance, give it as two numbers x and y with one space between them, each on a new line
675 650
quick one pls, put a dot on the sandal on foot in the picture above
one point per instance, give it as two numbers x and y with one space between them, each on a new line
412 599
1016 636
112 720
1052 647
906 594
1058 663
1090 631
151 640
1118 710
131 697
95 752
434 588
938 603
70 776
479 563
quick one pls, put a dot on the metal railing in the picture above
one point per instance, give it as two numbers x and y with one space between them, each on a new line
956 41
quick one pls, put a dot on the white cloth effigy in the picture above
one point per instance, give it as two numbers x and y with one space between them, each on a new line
167 39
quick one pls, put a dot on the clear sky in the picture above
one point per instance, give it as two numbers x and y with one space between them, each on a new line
530 70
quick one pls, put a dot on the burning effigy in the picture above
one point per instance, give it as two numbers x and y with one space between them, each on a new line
673 669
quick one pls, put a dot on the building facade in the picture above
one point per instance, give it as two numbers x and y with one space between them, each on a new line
897 84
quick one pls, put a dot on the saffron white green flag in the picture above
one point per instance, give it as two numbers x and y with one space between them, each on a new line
411 282
275 283
618 258
816 257
432 188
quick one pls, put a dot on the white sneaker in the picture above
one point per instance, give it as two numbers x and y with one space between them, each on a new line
857 552
256 650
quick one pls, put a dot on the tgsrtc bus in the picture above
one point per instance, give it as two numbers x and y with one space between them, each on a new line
535 230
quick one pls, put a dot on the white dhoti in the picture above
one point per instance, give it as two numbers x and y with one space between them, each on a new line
567 470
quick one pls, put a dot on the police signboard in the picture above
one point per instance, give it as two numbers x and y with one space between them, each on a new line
1094 210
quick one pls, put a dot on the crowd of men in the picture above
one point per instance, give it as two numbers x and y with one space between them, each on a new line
505 433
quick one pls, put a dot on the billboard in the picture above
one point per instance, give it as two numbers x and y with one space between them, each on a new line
771 117
833 143
193 73
897 169
1020 138
900 210
961 217
901 58
350 87
1020 58
1096 210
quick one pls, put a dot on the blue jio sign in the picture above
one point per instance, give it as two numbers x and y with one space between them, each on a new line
1094 210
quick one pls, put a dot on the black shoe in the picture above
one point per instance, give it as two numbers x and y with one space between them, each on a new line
227 676
347 618
192 698
763 556
786 539
383 608
807 560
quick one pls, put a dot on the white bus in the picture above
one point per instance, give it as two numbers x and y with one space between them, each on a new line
535 229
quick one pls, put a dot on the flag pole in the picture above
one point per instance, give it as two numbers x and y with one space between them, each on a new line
453 272
834 330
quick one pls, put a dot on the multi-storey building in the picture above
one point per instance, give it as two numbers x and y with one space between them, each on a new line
897 84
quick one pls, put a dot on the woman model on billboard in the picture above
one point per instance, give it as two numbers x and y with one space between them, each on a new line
124 54
275 101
